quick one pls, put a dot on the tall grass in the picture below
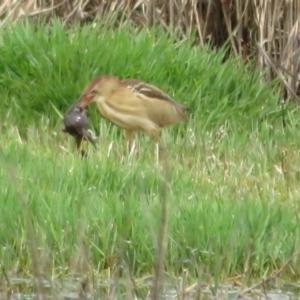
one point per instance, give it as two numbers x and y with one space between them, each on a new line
44 65
227 200
265 32
233 170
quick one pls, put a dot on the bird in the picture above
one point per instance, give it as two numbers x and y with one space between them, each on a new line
76 124
133 105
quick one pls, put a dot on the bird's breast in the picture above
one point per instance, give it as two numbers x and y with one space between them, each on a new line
124 118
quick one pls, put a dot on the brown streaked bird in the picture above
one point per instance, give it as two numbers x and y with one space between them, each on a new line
76 124
133 105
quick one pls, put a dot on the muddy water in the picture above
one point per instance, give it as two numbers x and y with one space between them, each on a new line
233 295
25 289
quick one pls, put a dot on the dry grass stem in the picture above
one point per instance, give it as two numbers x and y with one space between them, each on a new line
161 242
269 278
29 228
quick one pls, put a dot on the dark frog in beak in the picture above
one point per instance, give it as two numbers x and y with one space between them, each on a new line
76 124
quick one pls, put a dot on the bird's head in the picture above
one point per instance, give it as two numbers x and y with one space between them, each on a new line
99 88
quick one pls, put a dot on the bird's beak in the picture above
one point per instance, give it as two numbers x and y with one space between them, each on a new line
84 100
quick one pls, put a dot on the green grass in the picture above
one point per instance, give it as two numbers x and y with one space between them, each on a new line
231 206
47 63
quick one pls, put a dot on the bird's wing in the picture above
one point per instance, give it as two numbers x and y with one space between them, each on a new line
151 91
145 90
141 109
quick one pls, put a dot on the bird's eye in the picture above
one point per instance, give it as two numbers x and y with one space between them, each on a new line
93 92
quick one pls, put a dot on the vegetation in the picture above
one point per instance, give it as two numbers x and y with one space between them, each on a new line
231 189
265 32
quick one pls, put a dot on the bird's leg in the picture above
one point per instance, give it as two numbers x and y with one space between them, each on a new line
128 135
153 133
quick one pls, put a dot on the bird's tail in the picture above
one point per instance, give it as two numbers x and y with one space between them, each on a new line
182 109
91 138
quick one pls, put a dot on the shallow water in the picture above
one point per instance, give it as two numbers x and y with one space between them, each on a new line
24 289
232 295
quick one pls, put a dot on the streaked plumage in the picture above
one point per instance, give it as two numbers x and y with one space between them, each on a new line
133 105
